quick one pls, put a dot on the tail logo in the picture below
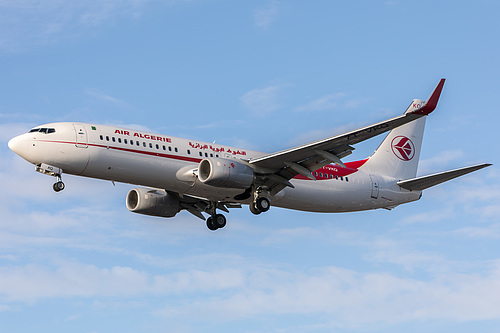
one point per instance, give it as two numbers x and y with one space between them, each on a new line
403 148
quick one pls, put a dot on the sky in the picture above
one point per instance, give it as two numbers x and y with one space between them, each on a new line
262 75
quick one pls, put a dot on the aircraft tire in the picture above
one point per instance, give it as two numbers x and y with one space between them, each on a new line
219 221
262 204
59 186
254 209
210 224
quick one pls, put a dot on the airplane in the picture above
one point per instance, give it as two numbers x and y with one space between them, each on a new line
203 178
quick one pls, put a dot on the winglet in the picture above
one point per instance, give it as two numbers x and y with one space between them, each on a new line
432 101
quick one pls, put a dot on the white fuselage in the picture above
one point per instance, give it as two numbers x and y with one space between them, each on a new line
170 163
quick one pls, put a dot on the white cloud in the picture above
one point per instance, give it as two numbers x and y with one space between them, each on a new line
342 294
24 23
487 232
99 95
265 16
32 282
430 216
322 103
436 163
262 101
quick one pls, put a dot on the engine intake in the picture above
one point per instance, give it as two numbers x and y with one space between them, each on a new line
152 202
221 172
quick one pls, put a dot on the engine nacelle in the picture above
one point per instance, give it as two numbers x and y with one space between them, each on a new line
152 202
221 172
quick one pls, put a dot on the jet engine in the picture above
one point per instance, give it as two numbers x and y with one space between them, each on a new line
152 202
221 172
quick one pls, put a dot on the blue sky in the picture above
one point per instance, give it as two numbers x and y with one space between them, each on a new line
264 75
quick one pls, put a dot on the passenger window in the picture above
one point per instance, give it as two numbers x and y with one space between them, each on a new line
107 138
164 148
201 154
206 155
315 174
101 137
157 147
336 177
144 144
211 155
113 139
119 140
125 141
341 178
176 150
137 143
150 145
189 152
346 179
321 174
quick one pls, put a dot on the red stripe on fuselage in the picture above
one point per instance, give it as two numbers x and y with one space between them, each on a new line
150 153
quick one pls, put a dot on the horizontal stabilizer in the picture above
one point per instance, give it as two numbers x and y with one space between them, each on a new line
422 183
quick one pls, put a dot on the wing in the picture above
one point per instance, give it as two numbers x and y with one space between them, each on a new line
278 168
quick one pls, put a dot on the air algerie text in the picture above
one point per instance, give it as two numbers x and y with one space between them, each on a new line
144 136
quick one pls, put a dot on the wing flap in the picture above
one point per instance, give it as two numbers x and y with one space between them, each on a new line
422 183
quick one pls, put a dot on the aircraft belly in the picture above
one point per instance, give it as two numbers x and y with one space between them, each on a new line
326 196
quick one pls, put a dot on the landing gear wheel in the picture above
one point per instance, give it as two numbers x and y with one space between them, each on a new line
254 209
219 221
262 204
59 186
210 224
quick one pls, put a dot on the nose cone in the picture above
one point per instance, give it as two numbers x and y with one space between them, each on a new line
15 144
20 146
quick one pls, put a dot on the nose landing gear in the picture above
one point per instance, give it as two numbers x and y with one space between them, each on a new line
54 172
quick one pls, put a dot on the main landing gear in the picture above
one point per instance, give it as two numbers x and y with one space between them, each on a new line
215 221
260 203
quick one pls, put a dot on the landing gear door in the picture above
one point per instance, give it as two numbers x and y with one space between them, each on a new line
375 186
81 136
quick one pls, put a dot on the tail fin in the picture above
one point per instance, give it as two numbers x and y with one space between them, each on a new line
399 153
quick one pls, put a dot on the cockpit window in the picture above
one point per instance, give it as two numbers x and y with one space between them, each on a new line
43 130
